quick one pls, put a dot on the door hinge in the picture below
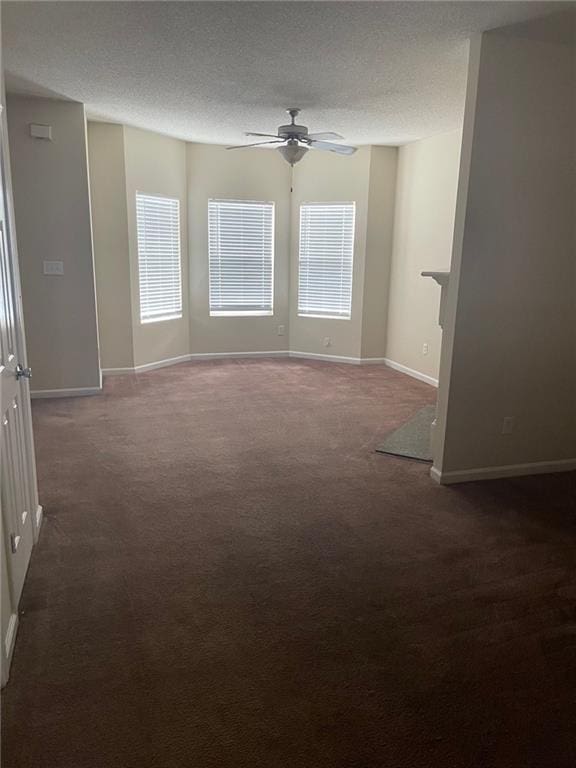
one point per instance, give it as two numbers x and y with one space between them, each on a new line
14 541
23 373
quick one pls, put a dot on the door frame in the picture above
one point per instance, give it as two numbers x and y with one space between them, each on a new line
11 243
29 458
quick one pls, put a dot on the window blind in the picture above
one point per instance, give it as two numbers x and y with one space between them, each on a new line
241 256
159 269
325 259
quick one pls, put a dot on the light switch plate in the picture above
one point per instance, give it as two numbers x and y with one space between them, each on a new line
38 131
53 267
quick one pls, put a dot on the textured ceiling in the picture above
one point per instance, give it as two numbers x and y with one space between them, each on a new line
376 72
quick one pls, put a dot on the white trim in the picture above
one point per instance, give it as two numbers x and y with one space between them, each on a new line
117 371
161 364
73 392
221 355
241 313
411 372
326 358
37 523
9 641
372 361
10 635
507 470
198 356
340 358
146 366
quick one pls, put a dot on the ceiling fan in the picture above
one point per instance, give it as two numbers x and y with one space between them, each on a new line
296 140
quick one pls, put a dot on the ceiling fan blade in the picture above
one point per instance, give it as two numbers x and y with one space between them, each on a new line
327 136
257 144
268 135
339 149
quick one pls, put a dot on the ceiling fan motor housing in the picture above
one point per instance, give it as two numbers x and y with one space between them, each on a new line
292 131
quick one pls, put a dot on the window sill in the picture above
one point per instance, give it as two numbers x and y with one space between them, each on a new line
159 319
248 313
326 317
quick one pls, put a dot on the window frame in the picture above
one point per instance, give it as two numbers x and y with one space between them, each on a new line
319 314
178 314
244 312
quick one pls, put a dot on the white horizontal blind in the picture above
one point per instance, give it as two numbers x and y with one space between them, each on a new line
159 269
325 259
241 253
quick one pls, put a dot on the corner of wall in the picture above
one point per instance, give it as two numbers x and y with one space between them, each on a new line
379 239
110 235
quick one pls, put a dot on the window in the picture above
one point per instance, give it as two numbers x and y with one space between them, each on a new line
325 260
158 228
241 254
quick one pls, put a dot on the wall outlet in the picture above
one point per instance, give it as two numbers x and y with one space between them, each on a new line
53 267
281 330
508 425
327 341
425 348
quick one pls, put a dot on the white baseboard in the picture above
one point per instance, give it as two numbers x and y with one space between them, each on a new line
411 372
117 371
339 358
161 364
38 394
326 358
10 638
39 514
195 356
496 473
372 361
9 642
236 355
199 356
146 366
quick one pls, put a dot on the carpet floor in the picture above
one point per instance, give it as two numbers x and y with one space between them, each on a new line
228 575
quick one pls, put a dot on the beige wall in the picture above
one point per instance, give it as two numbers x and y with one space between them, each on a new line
156 164
110 233
510 340
153 163
423 233
247 174
323 177
50 180
379 240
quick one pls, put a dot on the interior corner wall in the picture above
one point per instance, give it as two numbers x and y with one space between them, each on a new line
512 309
52 207
423 233
156 165
379 239
111 252
248 174
324 177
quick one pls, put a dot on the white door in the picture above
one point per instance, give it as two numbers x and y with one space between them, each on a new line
18 493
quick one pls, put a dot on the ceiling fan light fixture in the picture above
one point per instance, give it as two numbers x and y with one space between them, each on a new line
292 153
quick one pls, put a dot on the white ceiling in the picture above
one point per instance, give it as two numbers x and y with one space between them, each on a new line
376 72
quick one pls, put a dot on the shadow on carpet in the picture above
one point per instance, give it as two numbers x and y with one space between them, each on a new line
412 440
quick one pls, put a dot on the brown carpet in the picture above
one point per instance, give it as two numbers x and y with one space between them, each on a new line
229 575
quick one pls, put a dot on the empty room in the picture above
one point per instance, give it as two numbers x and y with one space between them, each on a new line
288 384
